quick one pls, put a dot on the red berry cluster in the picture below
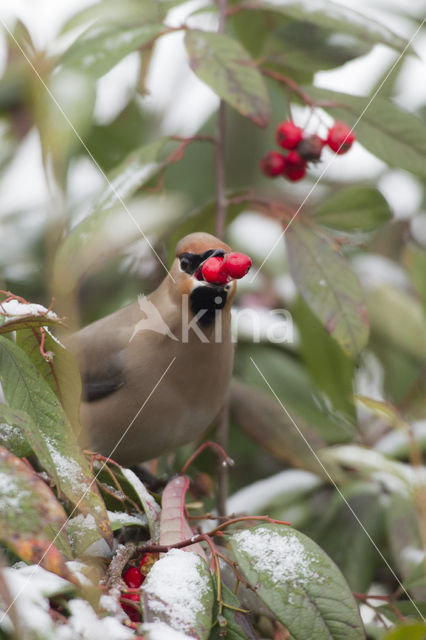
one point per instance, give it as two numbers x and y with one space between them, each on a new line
303 149
134 577
222 269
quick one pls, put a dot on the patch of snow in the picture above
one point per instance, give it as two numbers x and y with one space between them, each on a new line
10 494
257 496
162 631
282 559
31 586
14 310
174 588
84 624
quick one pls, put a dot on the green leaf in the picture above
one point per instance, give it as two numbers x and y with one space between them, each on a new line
318 347
31 518
354 208
179 591
329 286
295 389
83 532
390 133
389 309
404 539
414 260
130 175
330 15
408 632
298 582
127 13
106 232
232 623
225 66
61 372
262 418
346 543
12 432
97 54
151 508
52 439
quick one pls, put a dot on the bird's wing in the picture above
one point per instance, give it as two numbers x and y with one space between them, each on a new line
99 349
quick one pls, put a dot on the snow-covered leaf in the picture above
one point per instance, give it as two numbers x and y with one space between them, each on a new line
83 531
299 583
223 64
97 54
150 506
174 526
179 592
328 285
52 438
31 518
31 587
11 431
15 315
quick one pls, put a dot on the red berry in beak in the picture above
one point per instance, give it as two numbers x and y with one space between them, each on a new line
213 270
288 135
237 264
340 138
273 164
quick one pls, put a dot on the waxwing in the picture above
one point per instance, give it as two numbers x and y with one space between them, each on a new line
156 373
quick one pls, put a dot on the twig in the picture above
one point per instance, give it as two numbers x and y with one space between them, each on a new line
117 564
163 548
213 445
222 466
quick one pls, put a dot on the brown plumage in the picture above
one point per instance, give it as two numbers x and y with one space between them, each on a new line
122 359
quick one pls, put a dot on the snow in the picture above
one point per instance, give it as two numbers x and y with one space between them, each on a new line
77 568
174 588
84 624
31 586
257 496
162 631
282 559
14 310
10 495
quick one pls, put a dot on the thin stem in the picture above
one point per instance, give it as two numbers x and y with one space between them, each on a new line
222 466
220 143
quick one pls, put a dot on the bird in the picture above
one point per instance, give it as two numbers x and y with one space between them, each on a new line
156 373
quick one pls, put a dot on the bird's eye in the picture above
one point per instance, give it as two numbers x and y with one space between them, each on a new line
184 264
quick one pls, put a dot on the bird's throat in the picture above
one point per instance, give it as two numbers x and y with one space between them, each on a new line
205 302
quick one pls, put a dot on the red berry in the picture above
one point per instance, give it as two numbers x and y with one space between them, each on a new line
295 167
288 135
133 614
310 148
213 270
340 138
273 164
237 264
132 577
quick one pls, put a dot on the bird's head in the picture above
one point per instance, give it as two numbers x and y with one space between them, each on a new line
191 252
